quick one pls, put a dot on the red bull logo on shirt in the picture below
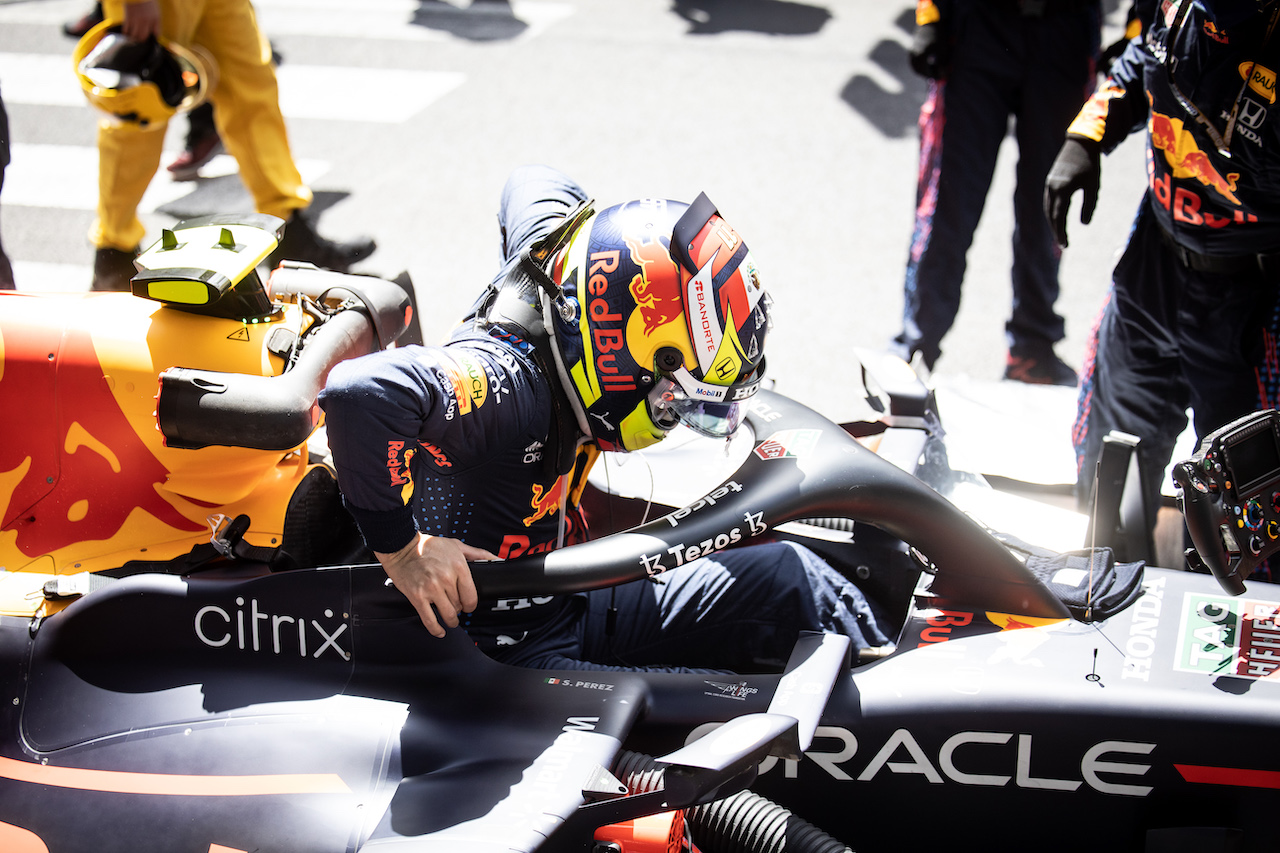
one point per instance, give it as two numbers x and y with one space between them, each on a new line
1216 34
397 464
1186 159
545 501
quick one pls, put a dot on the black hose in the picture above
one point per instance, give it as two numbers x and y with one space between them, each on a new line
200 408
742 823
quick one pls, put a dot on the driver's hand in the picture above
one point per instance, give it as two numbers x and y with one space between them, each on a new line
141 20
432 572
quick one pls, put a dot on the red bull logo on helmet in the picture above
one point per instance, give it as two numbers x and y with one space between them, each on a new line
607 338
706 309
656 288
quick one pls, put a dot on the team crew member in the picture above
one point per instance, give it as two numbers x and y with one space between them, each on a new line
602 331
1191 319
218 40
988 60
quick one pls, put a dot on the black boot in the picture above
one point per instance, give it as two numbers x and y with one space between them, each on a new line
6 272
112 270
1042 368
301 243
83 24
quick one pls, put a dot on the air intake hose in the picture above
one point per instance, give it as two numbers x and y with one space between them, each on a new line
742 823
199 408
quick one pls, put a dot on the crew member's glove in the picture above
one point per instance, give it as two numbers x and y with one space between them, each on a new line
929 54
1078 166
1110 54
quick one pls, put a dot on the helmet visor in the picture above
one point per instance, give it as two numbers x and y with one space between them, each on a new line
711 410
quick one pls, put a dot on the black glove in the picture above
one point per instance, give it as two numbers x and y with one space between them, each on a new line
1078 166
1111 54
929 53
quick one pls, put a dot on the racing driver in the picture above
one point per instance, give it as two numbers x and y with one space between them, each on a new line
583 343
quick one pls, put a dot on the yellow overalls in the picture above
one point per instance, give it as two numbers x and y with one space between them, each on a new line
246 109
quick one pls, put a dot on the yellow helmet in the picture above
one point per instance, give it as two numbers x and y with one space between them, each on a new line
140 83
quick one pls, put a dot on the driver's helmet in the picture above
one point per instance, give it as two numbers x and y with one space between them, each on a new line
140 83
662 321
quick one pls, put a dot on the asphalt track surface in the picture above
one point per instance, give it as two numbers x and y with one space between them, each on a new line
797 119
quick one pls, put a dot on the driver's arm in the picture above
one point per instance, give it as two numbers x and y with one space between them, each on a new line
376 409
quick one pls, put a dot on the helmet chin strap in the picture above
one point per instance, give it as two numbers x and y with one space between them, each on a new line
533 262
566 383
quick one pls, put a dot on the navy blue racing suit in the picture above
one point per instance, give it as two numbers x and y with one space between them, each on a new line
1033 60
1192 317
470 426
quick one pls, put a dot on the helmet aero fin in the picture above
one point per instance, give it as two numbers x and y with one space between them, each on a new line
535 259
706 330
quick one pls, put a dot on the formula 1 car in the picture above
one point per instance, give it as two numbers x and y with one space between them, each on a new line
249 684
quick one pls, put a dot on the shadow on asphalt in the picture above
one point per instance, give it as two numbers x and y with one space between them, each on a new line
483 20
775 17
892 111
